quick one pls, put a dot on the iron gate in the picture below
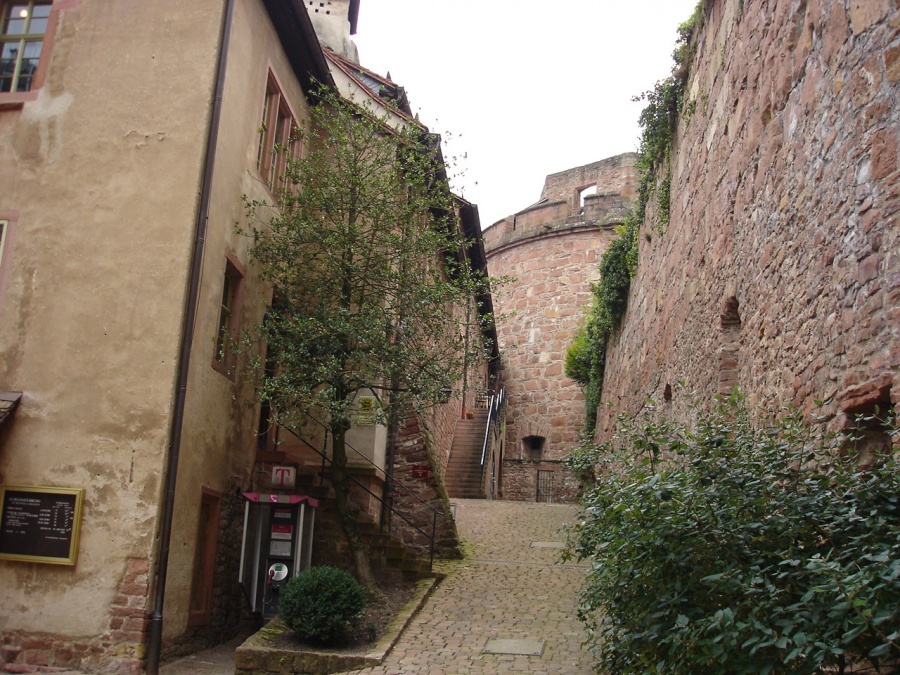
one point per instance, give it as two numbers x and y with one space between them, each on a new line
545 486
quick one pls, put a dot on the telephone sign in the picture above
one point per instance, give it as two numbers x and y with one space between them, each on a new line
283 477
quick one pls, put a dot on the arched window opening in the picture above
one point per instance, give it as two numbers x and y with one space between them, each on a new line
586 192
533 447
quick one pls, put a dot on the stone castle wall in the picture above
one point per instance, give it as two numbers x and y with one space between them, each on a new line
552 250
779 271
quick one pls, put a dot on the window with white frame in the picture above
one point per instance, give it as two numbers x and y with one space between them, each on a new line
22 28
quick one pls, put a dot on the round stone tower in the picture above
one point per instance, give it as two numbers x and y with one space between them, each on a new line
551 249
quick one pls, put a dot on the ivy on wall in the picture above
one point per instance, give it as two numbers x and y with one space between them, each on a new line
586 357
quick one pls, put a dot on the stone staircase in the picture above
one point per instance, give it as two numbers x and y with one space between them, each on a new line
391 561
463 476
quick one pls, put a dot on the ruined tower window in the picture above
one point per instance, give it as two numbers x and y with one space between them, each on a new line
729 345
22 28
667 393
533 447
586 192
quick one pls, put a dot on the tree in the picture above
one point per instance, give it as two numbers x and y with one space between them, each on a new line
371 281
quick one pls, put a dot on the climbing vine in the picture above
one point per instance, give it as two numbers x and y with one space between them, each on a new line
586 357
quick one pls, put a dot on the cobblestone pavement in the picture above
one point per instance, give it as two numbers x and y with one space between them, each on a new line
506 588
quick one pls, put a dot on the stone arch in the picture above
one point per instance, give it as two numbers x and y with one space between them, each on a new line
531 437
729 345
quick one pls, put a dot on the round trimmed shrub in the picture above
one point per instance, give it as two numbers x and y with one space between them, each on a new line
320 603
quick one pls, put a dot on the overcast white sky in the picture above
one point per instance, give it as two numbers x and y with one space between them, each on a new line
526 87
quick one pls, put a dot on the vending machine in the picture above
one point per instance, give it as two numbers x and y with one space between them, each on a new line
277 544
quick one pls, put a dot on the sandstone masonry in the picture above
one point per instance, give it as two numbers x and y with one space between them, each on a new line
779 271
552 249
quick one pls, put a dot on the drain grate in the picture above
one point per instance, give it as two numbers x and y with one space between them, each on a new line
513 646
548 544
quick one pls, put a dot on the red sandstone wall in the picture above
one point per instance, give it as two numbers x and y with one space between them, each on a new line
537 319
552 251
785 193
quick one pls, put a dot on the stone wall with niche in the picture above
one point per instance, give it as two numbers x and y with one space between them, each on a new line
779 270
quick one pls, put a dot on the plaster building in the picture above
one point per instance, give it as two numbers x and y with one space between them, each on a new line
551 250
779 269
128 134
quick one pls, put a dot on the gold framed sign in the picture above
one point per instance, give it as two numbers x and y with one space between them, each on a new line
40 524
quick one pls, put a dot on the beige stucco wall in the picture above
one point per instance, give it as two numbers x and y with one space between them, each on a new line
219 442
103 172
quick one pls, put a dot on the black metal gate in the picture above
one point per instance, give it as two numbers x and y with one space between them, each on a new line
545 486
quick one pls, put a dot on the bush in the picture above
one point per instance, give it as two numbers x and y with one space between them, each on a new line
320 603
739 549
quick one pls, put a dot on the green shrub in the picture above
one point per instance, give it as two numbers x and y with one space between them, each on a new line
320 604
741 549
583 463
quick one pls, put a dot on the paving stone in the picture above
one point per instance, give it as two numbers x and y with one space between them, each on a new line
506 589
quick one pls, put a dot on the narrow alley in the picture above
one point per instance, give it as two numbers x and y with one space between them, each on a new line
509 595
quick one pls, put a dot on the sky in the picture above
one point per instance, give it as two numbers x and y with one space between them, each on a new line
522 88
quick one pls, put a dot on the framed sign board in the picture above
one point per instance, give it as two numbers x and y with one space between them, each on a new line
40 524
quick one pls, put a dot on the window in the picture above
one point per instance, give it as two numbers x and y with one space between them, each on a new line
276 136
588 191
204 559
4 226
533 447
229 319
23 25
7 229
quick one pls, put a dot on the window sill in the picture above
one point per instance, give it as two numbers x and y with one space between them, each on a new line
12 100
225 368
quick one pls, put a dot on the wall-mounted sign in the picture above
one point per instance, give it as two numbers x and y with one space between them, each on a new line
365 413
284 477
40 524
420 471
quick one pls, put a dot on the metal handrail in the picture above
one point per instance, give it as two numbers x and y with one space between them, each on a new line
496 406
431 538
382 469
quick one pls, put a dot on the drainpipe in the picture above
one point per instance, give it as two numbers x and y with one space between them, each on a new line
154 638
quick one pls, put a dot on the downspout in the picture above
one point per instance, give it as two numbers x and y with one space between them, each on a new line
154 638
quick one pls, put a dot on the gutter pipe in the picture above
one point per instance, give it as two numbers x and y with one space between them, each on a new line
154 638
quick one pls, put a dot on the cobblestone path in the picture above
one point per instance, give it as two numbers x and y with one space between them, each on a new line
507 588
510 587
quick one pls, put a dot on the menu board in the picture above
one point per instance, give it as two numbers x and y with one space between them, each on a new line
40 524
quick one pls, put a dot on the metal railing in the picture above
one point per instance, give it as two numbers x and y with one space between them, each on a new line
435 512
492 429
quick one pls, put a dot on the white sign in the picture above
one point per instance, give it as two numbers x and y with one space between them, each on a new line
283 477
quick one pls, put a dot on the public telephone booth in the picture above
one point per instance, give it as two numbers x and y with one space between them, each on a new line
277 544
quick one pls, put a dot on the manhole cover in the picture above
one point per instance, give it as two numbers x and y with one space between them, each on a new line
548 544
511 646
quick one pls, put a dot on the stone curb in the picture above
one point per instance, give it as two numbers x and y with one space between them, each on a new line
255 657
424 589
